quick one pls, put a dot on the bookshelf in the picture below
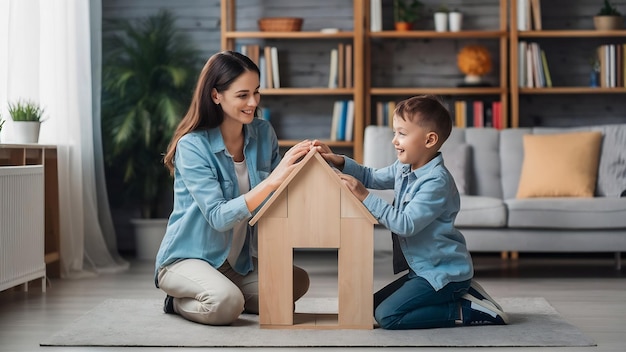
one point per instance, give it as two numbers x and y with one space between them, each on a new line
563 58
442 77
321 95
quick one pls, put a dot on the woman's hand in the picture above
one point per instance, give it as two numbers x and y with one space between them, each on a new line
354 186
288 163
258 194
328 155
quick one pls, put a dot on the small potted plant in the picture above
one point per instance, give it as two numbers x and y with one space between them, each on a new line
441 18
608 18
405 13
27 116
455 20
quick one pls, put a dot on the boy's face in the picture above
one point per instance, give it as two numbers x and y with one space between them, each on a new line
414 144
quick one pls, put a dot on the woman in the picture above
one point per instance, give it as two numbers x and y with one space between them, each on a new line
225 163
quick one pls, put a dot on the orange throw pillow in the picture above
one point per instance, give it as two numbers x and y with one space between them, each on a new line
560 165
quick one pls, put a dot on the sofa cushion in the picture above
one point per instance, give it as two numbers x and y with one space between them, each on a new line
478 211
458 160
560 165
567 213
612 168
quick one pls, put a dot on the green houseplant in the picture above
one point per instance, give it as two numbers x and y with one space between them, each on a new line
405 13
27 116
149 70
608 18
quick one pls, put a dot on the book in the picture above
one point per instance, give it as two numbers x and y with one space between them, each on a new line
376 16
349 121
334 125
348 65
341 65
523 13
380 111
546 71
275 74
332 75
341 125
263 76
522 64
536 11
479 118
269 76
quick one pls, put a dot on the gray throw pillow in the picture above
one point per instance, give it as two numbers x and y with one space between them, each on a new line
612 168
458 160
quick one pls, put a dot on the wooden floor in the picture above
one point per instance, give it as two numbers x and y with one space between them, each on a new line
588 292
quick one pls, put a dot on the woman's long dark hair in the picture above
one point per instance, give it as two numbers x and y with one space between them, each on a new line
219 72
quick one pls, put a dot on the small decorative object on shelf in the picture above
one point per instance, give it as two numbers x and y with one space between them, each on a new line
405 13
280 24
455 20
474 61
608 18
441 19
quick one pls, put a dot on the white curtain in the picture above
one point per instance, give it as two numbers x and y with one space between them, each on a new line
50 52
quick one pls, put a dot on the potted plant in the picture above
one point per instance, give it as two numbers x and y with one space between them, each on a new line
148 74
455 20
440 17
608 18
405 13
27 116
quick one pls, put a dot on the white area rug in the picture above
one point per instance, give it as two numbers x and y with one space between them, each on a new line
115 322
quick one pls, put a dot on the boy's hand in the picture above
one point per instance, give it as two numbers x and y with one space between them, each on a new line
354 186
328 155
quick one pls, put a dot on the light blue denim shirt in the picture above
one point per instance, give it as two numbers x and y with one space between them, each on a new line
426 202
207 203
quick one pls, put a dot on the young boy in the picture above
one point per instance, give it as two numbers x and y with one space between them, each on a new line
438 290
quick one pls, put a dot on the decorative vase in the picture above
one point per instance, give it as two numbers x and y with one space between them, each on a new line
607 23
441 21
148 236
403 26
455 21
26 132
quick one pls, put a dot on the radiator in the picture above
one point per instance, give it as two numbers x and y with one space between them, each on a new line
21 226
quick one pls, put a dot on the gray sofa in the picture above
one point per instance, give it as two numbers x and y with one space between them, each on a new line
487 163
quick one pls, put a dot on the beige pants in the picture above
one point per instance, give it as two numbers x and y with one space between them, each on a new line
212 296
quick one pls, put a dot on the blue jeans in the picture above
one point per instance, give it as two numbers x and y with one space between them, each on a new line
411 302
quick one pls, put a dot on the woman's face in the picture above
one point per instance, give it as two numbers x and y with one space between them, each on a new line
240 100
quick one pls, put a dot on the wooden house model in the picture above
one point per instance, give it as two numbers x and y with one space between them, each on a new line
314 209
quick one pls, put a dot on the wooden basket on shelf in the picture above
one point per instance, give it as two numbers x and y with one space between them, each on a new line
280 24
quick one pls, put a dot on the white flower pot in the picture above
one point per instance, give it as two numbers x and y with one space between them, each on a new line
26 131
441 22
148 236
455 21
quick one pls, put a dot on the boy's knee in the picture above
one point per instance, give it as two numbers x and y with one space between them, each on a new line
384 320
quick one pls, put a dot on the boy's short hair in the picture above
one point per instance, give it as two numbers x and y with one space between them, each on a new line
427 111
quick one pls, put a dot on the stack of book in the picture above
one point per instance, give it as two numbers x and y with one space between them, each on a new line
341 67
478 113
384 113
342 126
266 60
528 15
612 65
533 66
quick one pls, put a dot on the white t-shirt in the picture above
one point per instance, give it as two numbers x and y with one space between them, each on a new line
240 229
